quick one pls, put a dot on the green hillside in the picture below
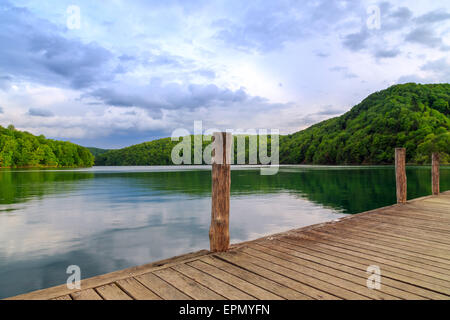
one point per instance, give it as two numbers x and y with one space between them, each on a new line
157 152
20 149
97 151
408 115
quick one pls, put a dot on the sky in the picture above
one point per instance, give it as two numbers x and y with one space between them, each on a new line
115 73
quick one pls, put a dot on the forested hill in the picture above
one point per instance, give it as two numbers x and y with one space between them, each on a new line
22 149
407 115
410 115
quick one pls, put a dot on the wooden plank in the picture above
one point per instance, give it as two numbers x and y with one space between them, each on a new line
136 290
435 209
393 235
440 266
418 217
391 230
88 294
112 292
438 201
398 222
187 285
389 286
424 272
431 209
317 280
219 234
262 282
241 284
66 297
389 278
390 215
420 214
331 276
435 269
401 234
400 274
287 278
382 243
161 287
214 284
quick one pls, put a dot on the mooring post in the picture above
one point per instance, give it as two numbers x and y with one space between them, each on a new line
219 233
400 174
435 173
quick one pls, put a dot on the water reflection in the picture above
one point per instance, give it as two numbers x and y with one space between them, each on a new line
105 219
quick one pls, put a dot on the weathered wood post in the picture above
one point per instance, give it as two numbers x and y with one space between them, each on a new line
400 174
219 233
435 173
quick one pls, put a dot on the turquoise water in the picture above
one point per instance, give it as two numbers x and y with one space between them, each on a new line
109 218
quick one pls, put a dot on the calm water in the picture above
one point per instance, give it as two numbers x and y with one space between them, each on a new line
110 218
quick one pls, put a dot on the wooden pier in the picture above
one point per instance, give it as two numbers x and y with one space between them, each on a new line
396 252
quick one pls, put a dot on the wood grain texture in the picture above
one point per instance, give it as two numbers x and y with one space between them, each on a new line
219 234
136 290
435 173
400 174
88 294
112 292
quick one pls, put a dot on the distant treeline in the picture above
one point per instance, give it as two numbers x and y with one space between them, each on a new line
159 152
410 115
22 149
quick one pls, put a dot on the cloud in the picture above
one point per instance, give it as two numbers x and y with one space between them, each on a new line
395 19
424 36
267 26
209 74
40 51
440 68
436 71
1 110
329 111
157 96
344 71
356 41
414 78
37 112
397 24
322 54
433 16
387 53
5 82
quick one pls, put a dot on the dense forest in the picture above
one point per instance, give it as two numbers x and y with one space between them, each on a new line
97 151
159 152
20 149
410 115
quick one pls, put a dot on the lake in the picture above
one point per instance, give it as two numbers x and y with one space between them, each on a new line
109 218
